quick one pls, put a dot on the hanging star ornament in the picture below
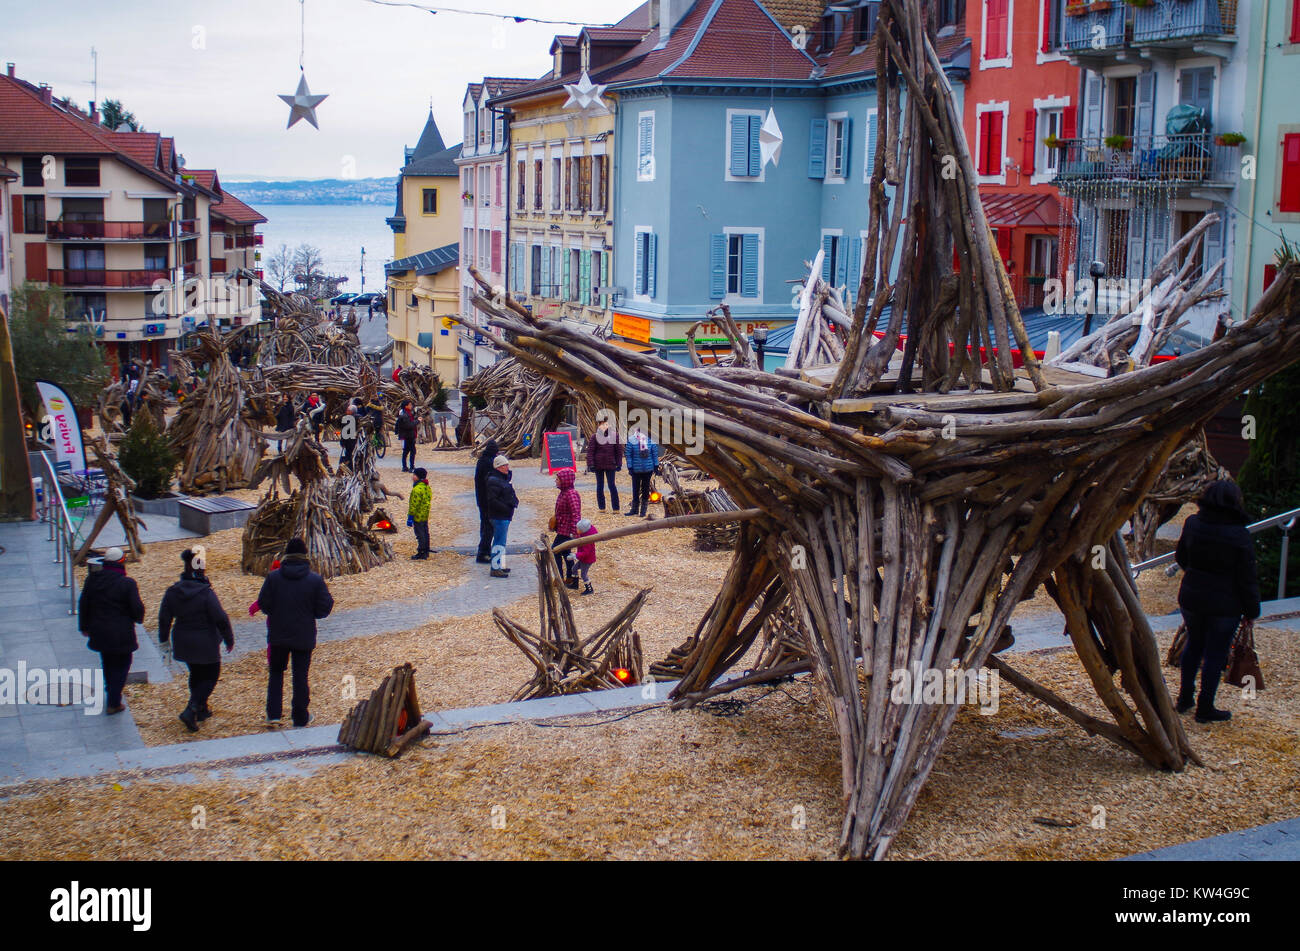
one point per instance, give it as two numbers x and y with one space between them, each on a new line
770 139
302 104
584 95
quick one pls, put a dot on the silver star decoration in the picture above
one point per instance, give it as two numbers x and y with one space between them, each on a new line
585 95
770 139
303 104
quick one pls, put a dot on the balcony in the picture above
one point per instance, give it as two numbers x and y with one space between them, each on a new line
116 279
242 241
1191 159
217 265
187 228
107 230
1080 34
1172 22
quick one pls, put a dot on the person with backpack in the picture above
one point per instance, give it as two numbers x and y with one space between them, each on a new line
406 429
605 458
482 469
293 598
501 504
192 618
417 512
1220 587
107 613
642 455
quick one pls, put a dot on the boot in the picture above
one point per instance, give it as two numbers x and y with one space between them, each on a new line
1186 700
1211 715
189 717
571 583
631 512
588 589
203 714
484 559
499 573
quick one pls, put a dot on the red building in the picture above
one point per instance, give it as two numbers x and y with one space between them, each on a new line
1022 91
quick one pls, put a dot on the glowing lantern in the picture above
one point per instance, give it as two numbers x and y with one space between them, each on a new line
656 497
622 674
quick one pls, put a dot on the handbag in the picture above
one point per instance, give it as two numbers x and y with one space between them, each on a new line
551 524
1175 656
1243 662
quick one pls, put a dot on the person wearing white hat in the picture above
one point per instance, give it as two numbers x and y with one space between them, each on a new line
107 613
500 507
192 618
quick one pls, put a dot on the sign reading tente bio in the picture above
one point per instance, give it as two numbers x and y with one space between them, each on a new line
557 452
65 430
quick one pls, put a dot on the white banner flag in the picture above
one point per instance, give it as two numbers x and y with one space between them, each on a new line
64 425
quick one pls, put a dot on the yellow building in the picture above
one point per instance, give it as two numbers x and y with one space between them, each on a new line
422 279
561 153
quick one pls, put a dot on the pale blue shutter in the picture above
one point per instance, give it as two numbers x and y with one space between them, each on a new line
546 289
1214 242
1159 231
1087 239
749 265
848 143
645 144
740 145
828 249
1144 125
1092 107
584 278
872 125
855 268
564 287
604 279
638 266
817 148
651 241
841 263
717 266
755 153
1136 243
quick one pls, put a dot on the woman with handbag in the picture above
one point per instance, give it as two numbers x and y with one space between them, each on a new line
1219 589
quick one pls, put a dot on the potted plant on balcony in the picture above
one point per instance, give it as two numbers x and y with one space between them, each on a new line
467 196
1055 142
1076 9
1141 4
1229 138
1121 143
1099 6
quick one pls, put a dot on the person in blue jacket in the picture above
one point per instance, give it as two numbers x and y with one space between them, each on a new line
642 455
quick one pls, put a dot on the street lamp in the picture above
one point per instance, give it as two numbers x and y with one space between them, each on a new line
1098 270
760 338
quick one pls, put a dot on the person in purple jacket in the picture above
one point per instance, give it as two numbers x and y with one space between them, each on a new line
604 458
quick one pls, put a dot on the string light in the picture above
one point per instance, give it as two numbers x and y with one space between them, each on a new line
484 13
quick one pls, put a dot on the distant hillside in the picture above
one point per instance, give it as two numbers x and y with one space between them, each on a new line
320 191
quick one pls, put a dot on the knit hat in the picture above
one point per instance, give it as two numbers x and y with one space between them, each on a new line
296 546
500 461
584 525
421 472
114 554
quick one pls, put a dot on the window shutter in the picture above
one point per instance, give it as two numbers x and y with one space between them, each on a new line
995 143
872 125
1047 25
1136 242
1144 123
496 252
604 280
848 146
717 266
1270 271
567 278
1092 107
638 266
584 278
1214 242
1070 122
982 146
36 260
739 145
17 222
855 269
995 29
498 181
645 140
568 188
1087 240
584 183
651 241
817 148
1157 234
841 263
749 265
545 280
1295 21
1289 196
755 153
1031 141
604 181
828 252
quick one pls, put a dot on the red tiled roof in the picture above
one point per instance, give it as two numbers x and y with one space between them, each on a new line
1010 209
205 178
141 146
29 125
232 209
848 59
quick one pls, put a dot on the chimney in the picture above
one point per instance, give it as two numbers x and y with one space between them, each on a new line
47 93
10 67
94 113
670 14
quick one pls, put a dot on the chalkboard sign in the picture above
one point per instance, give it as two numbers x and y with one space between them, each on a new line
557 452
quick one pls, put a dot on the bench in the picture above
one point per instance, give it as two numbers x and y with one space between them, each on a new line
206 516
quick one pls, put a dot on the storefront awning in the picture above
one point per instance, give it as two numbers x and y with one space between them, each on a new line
1019 211
629 345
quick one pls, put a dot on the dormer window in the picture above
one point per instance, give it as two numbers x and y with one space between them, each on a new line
867 15
830 32
559 62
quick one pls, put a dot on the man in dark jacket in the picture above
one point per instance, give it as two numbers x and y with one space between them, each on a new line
284 419
109 609
191 616
481 472
406 429
294 598
1219 588
501 505
604 458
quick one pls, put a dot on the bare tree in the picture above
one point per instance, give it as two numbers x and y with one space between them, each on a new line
308 268
279 266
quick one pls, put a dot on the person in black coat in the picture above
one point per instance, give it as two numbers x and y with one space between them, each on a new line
406 428
501 504
1219 588
109 609
192 618
481 472
293 598
284 419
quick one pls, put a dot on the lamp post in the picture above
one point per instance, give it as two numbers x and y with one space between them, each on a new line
759 339
1098 270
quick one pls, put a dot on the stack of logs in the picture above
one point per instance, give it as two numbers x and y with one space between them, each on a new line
521 404
390 720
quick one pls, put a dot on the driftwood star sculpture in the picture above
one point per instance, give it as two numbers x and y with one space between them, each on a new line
907 499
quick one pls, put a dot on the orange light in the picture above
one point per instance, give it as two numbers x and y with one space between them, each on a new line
656 497
384 525
623 674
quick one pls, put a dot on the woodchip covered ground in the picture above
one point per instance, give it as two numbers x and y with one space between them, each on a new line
758 779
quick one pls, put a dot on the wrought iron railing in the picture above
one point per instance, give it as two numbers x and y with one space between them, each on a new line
1193 158
1178 19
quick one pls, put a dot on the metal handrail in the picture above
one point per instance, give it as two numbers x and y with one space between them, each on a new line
1285 521
61 532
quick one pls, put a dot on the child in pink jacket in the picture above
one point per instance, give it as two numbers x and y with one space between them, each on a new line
586 553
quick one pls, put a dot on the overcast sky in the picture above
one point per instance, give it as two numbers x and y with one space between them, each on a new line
209 72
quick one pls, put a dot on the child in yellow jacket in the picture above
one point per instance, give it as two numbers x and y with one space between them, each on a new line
417 512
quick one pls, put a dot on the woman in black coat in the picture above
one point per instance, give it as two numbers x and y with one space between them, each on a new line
1219 588
483 469
109 609
192 616
406 428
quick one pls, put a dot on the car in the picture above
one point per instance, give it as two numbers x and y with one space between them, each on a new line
342 299
368 299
